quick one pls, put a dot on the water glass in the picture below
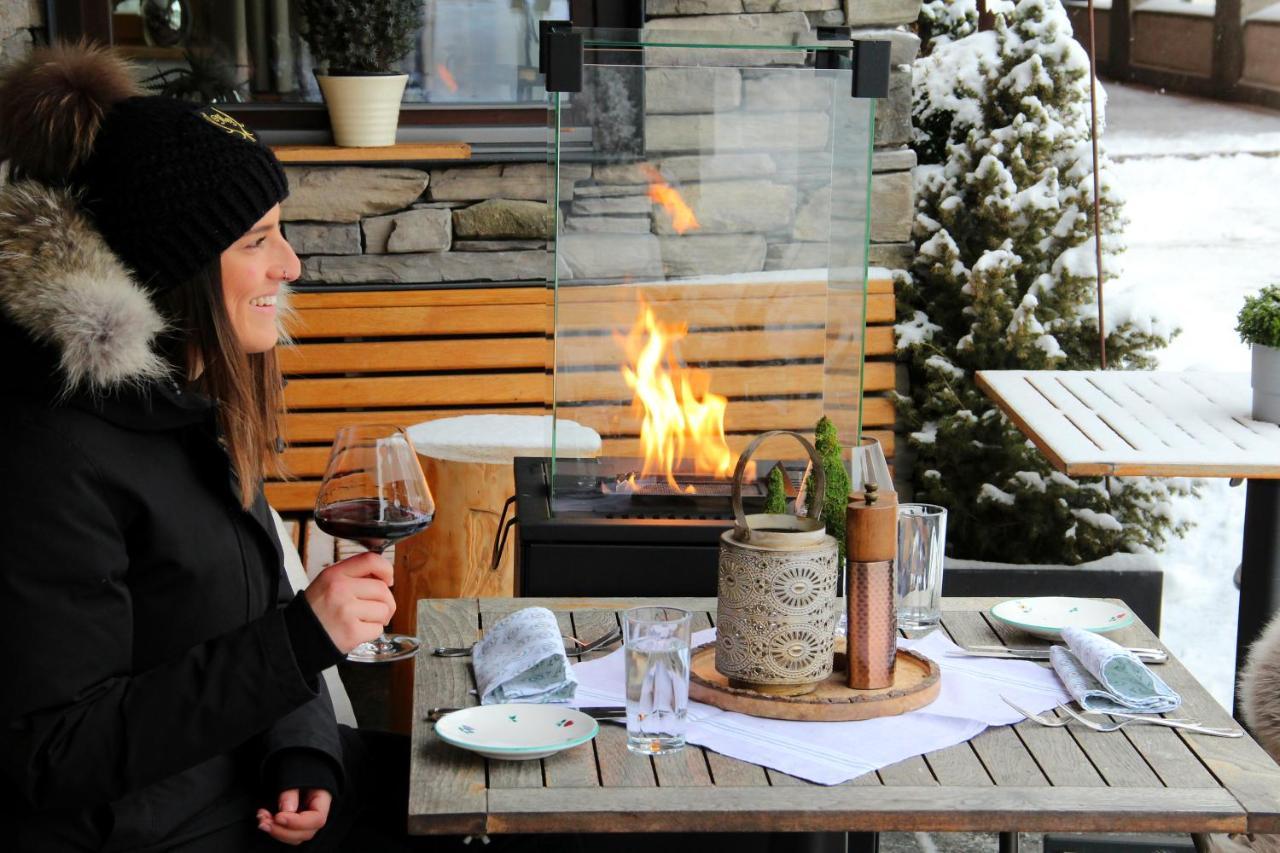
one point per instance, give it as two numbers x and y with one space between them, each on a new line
656 645
922 537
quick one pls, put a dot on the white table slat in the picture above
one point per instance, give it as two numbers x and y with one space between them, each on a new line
1152 416
1189 411
1084 419
1139 422
1133 430
1229 410
1032 407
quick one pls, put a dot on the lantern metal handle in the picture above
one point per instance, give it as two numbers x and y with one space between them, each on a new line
741 531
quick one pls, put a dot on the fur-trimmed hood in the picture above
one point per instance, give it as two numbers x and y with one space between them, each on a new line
63 286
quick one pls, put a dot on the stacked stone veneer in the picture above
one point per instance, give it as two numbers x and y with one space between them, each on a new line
758 208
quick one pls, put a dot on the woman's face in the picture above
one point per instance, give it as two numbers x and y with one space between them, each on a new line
252 272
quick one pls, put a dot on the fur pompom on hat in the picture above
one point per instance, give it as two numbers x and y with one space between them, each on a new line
169 184
52 105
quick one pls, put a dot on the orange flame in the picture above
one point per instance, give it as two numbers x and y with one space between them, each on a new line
683 422
660 192
447 78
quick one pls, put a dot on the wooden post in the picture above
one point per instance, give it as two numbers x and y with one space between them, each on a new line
1228 46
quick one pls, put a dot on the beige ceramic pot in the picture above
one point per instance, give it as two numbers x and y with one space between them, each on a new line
776 597
363 109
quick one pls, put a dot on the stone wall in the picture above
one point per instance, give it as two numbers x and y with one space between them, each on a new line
763 203
18 20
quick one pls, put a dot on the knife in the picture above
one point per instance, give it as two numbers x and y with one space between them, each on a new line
1042 653
603 712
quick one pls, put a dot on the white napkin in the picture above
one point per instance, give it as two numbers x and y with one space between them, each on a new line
522 659
1104 676
831 753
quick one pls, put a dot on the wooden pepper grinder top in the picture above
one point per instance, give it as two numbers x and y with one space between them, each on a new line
872 638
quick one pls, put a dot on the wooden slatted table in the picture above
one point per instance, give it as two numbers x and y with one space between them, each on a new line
1143 423
1023 777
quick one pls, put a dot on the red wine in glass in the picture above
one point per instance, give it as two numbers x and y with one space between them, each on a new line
374 493
371 523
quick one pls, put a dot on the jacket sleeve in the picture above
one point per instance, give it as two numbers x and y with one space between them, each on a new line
308 735
77 725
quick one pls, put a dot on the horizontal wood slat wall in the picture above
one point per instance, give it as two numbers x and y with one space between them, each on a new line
408 356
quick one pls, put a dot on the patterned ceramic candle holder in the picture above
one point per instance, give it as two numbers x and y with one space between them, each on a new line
776 604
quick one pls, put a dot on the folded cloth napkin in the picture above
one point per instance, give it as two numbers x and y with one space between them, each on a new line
522 659
1103 676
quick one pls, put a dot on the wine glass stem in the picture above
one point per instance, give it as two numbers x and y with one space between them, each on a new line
381 643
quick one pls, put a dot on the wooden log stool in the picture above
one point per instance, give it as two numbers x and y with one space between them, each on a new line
468 464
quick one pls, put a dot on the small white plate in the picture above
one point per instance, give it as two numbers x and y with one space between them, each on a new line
517 732
1048 615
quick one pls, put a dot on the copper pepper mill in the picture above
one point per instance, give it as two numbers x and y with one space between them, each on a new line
872 639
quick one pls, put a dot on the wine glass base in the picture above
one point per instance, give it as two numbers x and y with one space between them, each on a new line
386 648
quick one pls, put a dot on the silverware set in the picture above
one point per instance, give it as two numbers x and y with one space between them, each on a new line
578 648
1116 725
603 712
1042 653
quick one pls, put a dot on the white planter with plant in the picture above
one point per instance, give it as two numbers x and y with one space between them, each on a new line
1259 326
357 42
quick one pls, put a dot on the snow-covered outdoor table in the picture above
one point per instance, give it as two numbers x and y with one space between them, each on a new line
1144 423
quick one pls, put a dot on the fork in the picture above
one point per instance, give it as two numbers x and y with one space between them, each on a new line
1058 722
582 648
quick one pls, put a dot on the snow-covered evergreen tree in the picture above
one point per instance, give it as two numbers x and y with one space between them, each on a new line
1005 278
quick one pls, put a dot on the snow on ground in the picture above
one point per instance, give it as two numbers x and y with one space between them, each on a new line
1202 224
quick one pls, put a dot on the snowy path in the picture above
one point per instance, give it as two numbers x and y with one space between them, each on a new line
1203 230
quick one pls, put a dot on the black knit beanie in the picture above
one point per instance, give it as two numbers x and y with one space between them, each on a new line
171 184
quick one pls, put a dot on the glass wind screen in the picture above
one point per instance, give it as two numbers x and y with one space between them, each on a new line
710 255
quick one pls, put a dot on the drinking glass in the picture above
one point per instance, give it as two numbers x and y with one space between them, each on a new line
868 466
656 642
375 493
922 536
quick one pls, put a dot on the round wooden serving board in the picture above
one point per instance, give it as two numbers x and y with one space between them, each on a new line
916 683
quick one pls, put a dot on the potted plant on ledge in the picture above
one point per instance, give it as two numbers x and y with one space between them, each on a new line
357 42
1259 326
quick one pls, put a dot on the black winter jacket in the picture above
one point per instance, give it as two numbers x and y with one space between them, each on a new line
160 677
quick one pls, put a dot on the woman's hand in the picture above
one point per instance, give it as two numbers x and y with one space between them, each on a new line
291 825
352 599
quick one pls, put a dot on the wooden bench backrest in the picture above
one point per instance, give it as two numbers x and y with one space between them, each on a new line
409 356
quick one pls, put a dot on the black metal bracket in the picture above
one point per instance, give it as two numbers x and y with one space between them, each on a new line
871 68
560 56
545 28
830 60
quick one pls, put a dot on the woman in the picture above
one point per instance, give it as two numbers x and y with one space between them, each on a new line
161 688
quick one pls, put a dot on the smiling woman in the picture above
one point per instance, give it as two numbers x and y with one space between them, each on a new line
176 703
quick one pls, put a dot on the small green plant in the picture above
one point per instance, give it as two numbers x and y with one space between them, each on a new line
362 36
1259 319
775 501
837 495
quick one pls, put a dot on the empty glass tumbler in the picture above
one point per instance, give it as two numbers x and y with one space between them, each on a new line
922 538
656 650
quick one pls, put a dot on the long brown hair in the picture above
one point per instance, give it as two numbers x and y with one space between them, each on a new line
248 386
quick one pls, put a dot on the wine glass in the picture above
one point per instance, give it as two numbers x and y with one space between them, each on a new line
374 492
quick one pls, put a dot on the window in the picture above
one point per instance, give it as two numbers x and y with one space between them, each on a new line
468 51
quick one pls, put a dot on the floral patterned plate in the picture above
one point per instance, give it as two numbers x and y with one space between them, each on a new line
1048 615
517 732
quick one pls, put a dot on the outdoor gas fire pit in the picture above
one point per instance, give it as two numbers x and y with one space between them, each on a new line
708 284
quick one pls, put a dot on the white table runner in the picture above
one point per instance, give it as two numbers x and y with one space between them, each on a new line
831 753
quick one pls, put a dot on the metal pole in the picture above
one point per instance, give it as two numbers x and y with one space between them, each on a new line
1097 183
1008 842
